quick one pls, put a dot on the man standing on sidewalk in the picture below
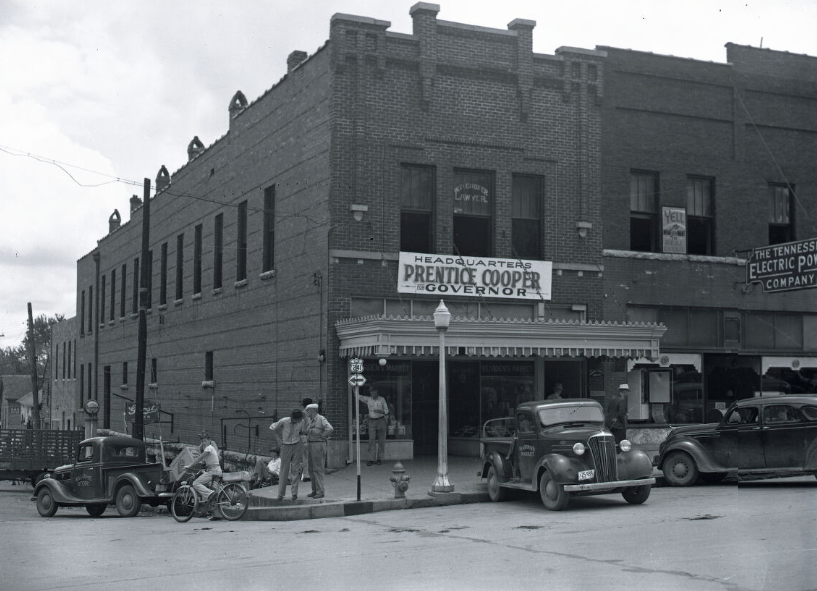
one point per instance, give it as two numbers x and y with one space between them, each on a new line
318 431
288 431
378 411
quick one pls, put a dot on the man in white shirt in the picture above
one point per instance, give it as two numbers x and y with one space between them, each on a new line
378 411
267 470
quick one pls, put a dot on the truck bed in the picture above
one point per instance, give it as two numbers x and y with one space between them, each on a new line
30 450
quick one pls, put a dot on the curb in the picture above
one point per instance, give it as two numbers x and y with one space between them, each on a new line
316 510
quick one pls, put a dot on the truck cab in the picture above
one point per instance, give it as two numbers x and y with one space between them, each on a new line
561 448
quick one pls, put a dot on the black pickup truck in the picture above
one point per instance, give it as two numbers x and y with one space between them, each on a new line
106 471
561 448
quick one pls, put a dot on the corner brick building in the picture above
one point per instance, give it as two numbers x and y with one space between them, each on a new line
384 173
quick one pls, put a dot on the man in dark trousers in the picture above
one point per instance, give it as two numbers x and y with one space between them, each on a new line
615 415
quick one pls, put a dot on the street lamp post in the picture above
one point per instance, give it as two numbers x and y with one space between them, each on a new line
442 317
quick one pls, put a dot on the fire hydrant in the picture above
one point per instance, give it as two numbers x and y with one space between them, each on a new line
399 480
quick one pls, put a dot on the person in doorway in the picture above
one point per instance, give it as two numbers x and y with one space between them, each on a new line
378 413
318 431
557 392
212 467
265 470
615 415
288 431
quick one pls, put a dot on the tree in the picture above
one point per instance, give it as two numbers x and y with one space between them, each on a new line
13 361
42 341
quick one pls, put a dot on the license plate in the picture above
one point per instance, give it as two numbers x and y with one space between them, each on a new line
586 475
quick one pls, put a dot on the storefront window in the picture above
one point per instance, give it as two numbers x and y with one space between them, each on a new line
393 382
504 385
687 400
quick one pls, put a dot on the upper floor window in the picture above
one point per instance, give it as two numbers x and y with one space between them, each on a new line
179 266
267 264
644 212
218 249
102 294
417 208
124 281
90 309
113 294
700 213
241 243
163 275
136 283
82 314
473 212
781 214
526 229
197 238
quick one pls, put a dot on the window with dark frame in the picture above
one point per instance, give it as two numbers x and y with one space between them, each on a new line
74 370
154 371
268 262
781 214
218 250
526 211
473 212
81 384
149 294
113 295
57 361
179 266
82 314
122 291
241 243
208 366
125 373
90 382
417 189
135 289
70 373
700 216
102 298
163 275
90 309
644 212
63 360
197 237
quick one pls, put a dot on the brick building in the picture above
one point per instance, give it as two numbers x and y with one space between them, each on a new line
381 174
728 151
64 407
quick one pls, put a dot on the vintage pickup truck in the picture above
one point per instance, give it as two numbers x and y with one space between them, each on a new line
561 448
106 471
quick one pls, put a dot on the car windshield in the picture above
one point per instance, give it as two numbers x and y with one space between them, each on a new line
570 414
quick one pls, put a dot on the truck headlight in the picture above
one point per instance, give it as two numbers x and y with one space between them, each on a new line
578 449
625 445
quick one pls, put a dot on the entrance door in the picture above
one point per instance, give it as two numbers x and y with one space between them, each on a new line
425 410
86 476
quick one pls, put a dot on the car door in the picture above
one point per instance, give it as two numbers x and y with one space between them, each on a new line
85 473
783 436
741 439
526 439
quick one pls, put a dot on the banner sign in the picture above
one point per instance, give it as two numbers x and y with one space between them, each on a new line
451 275
674 223
150 413
784 267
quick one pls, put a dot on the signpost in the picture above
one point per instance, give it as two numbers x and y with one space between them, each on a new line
784 267
356 379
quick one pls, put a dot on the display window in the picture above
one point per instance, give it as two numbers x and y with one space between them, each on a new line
393 384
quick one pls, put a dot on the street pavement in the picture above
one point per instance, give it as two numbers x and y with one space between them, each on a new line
376 490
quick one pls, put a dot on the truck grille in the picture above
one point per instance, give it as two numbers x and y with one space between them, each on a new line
603 448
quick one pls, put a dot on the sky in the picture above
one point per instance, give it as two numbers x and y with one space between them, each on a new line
97 95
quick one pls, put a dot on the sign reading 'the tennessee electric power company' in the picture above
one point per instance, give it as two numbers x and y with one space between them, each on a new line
474 276
784 267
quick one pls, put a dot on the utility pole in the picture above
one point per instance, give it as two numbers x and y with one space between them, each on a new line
144 278
32 355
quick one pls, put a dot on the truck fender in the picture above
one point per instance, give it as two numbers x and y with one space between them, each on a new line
136 480
633 464
501 465
59 492
561 468
702 459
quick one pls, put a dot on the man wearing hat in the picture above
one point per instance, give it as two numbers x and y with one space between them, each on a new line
288 431
615 415
318 431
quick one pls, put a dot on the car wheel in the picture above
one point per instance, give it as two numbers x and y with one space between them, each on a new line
636 495
495 492
680 469
46 505
96 510
127 502
35 480
554 496
712 477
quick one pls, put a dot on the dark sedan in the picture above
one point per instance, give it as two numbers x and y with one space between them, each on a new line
768 437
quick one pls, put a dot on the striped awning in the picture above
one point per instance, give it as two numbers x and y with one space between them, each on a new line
402 336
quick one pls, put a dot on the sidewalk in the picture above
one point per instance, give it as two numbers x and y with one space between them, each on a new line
376 491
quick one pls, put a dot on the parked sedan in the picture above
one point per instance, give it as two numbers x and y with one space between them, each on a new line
772 437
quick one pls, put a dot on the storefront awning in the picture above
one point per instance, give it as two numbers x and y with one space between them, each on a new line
667 359
380 336
794 363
